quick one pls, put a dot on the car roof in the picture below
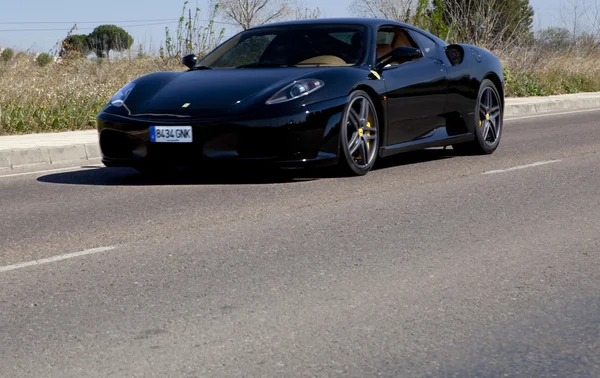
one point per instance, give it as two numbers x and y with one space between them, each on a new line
364 21
335 21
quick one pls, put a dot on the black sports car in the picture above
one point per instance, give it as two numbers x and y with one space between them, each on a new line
310 93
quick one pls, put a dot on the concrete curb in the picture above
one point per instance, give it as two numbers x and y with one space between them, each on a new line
11 158
537 105
24 157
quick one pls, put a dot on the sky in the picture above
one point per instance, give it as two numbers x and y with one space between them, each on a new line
37 25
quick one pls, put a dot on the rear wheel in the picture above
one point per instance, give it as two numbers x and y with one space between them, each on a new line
488 122
359 136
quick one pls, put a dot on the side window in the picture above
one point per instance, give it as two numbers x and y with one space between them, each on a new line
428 46
390 37
385 37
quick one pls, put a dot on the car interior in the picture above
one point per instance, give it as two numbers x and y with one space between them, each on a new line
334 52
338 47
390 38
317 48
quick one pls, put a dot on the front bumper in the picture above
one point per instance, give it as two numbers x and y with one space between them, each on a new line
309 136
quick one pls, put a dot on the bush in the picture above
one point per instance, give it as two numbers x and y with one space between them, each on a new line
7 55
22 56
75 45
44 59
521 84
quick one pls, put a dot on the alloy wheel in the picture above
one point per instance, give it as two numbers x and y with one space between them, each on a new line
490 116
361 132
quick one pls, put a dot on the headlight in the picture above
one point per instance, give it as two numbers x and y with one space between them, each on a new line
295 90
119 98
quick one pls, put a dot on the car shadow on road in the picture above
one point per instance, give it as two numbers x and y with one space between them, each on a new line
415 157
102 176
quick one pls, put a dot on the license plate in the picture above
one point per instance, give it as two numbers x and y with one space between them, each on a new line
171 134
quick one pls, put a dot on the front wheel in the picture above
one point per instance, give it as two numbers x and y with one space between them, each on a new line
359 136
489 117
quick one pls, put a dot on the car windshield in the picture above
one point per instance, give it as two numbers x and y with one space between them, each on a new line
291 46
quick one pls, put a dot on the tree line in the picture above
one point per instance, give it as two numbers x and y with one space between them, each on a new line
493 24
487 23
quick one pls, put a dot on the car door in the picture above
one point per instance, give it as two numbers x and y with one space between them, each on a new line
416 90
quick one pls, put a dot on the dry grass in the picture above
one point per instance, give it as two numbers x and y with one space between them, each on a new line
68 96
538 72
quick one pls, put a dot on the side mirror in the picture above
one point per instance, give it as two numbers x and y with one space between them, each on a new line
189 60
399 54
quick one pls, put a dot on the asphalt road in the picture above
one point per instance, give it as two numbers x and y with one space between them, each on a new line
432 265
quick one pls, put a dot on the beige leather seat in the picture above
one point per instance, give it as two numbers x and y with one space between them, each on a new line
383 49
325 60
400 39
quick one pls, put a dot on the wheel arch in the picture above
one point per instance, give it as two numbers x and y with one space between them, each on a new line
381 116
494 78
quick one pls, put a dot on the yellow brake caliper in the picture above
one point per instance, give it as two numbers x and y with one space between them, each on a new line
362 132
487 118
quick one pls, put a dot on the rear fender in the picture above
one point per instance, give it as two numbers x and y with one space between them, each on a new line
470 66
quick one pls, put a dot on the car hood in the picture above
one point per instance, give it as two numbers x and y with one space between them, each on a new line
208 93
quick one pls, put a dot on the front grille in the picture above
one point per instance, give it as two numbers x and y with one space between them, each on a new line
118 145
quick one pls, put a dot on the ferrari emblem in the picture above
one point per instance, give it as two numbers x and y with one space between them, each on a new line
487 117
186 105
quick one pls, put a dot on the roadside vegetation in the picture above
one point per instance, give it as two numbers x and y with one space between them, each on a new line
65 91
66 96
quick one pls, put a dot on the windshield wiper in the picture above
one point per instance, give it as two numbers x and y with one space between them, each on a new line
315 64
198 68
263 65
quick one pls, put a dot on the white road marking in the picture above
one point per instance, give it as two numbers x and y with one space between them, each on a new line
538 164
66 256
50 171
552 114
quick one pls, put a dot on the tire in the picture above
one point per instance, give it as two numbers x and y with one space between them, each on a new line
359 136
489 122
